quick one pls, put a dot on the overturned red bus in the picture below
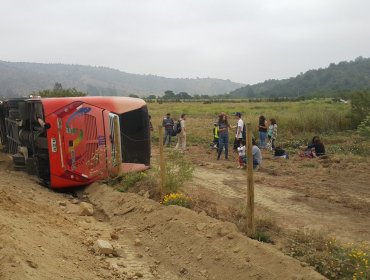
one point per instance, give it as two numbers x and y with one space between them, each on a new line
74 141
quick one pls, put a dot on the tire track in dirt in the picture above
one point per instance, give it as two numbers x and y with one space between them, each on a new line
291 209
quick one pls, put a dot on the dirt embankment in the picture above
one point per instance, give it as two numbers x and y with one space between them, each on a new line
42 236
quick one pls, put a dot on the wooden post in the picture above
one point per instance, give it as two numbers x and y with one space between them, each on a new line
161 160
250 193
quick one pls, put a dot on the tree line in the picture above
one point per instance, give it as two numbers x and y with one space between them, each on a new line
336 80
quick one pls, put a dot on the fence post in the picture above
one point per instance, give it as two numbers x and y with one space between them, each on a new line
161 160
250 190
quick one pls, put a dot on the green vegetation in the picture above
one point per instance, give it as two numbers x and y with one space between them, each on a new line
178 171
338 80
20 79
360 107
329 257
364 127
297 122
59 91
131 180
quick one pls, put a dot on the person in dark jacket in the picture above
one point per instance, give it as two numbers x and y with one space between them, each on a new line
262 129
315 149
223 135
167 123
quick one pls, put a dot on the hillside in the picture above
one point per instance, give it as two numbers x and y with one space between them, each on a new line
20 78
337 78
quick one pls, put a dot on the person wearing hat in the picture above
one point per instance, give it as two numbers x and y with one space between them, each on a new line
239 130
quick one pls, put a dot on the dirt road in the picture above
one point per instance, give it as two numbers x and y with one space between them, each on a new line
330 195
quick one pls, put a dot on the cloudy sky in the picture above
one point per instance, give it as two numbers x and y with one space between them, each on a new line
241 40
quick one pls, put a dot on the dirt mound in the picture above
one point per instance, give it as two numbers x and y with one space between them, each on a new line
191 245
44 236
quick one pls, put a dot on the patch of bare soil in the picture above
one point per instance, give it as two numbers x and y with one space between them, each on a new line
330 195
44 236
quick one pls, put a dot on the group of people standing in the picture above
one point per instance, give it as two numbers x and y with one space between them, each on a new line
269 130
172 129
221 140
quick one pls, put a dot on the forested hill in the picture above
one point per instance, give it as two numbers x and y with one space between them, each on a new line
19 78
332 81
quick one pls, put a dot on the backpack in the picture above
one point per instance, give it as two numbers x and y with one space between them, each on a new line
244 132
279 152
177 128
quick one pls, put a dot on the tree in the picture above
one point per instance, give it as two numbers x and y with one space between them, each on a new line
169 94
133 95
183 95
92 90
360 107
152 96
57 87
58 91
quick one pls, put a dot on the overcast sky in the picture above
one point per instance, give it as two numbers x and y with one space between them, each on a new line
244 41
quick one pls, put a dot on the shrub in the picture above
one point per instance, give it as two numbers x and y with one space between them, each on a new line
126 181
329 257
364 127
360 107
262 236
178 171
177 199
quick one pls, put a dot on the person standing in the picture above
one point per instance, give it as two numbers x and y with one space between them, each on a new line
215 136
167 123
223 135
262 128
239 131
272 134
181 137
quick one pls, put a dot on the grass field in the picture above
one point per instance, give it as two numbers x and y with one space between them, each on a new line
297 122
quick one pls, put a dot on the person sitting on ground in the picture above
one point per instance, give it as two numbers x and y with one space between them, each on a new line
241 152
315 149
256 154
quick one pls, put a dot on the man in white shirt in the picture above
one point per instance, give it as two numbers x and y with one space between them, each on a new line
239 130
